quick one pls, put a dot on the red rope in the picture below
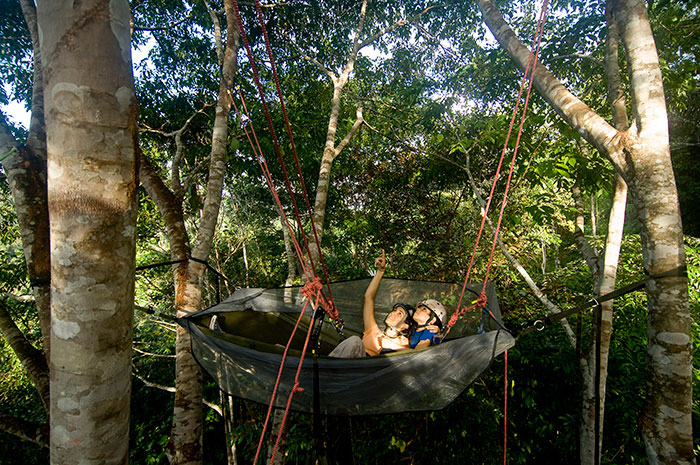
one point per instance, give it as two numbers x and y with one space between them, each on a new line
277 382
268 178
273 134
296 389
529 73
328 304
291 140
533 58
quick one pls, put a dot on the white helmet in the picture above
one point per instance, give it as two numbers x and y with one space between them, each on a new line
437 308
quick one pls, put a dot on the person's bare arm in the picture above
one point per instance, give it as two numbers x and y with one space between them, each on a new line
368 307
422 344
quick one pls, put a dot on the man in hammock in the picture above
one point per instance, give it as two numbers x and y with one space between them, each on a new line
395 336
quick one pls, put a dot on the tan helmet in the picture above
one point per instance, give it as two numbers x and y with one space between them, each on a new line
437 308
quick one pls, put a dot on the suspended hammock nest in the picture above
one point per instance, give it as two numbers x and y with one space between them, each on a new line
240 343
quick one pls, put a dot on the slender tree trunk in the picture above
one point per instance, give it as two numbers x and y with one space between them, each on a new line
589 253
185 442
607 271
543 265
228 418
324 174
594 216
291 262
26 173
185 445
91 138
606 284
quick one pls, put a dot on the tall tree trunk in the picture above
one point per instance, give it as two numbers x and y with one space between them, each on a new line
185 443
35 238
642 157
324 174
91 139
589 253
667 428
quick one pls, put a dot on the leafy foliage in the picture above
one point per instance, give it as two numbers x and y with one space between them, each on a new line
437 94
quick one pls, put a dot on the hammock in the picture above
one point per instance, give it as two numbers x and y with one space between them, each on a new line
240 342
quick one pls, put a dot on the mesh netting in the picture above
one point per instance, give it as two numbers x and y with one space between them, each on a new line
244 352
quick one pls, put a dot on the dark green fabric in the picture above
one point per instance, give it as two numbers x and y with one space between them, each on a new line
244 357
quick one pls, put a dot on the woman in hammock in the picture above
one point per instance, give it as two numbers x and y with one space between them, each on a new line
393 338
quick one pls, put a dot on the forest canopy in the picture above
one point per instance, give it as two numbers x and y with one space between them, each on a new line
390 118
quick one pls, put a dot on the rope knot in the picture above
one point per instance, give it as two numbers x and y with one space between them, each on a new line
482 301
330 309
311 288
453 319
297 389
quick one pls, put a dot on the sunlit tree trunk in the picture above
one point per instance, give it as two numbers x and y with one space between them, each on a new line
667 428
30 191
607 271
589 364
91 140
641 156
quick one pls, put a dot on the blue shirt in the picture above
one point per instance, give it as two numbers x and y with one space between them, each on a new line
424 335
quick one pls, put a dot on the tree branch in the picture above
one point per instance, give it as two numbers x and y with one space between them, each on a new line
26 430
551 307
355 127
217 33
18 298
310 59
396 25
149 354
162 387
168 207
591 126
32 359
360 25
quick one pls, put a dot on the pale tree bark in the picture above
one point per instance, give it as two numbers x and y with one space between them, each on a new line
26 174
92 185
291 258
667 428
25 168
573 111
641 156
185 445
594 215
589 364
606 272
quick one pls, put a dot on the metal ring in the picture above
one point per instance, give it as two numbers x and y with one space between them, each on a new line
539 325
